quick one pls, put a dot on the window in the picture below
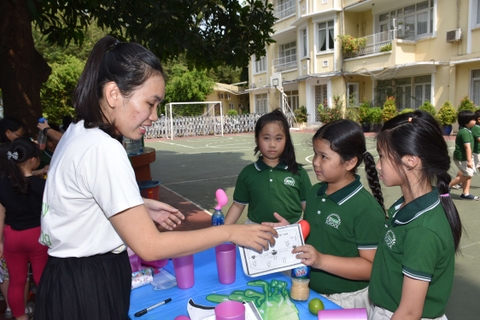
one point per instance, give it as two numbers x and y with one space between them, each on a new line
261 105
260 65
292 99
412 21
476 86
352 93
284 9
409 92
230 106
326 38
287 60
423 90
303 34
403 93
229 97
477 11
220 96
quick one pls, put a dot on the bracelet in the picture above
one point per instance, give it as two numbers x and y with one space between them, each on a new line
45 130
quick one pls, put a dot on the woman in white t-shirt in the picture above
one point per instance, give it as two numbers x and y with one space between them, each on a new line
92 205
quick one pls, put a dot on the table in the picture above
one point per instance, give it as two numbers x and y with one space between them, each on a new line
206 282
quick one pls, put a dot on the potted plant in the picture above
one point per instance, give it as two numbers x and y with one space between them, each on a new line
428 107
406 110
301 115
327 114
375 115
389 109
466 105
351 45
446 116
364 115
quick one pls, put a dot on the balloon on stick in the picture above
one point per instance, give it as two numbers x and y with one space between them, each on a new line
222 199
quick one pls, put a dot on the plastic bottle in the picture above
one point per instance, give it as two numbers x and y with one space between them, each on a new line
42 138
300 280
133 147
218 218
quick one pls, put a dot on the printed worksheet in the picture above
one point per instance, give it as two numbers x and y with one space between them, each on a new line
277 258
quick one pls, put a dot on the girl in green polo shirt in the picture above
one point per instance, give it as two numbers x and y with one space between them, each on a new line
413 270
346 220
275 183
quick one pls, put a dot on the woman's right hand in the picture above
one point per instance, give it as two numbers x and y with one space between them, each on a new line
254 236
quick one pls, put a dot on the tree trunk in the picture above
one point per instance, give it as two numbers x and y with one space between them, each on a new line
22 68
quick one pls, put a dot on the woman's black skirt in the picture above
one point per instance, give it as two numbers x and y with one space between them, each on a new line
96 287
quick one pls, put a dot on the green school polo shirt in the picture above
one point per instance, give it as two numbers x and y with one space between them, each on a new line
476 134
341 224
267 190
464 136
416 243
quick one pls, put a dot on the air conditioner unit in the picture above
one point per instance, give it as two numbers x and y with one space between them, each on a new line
454 35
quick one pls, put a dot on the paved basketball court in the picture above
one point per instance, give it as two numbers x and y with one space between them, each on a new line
195 167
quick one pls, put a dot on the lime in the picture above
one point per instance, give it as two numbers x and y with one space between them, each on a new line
315 305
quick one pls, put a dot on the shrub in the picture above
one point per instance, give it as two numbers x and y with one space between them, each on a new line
428 107
352 113
363 112
301 114
389 109
351 45
447 114
375 115
232 112
327 114
406 110
466 105
386 48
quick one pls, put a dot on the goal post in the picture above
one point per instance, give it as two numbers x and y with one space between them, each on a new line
210 111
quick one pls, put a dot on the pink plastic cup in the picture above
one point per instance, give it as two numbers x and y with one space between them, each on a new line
226 256
230 310
134 260
183 267
351 314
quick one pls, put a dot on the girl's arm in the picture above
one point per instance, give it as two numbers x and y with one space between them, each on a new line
468 152
414 293
234 213
353 268
137 229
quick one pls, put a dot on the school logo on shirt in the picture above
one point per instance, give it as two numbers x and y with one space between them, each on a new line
390 239
333 220
289 181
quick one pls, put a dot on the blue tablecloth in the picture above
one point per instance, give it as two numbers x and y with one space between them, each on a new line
206 282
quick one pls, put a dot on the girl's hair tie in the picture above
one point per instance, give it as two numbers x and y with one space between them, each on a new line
444 195
12 155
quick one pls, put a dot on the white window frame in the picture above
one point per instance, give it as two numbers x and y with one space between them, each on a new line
304 42
284 9
475 86
261 103
230 106
476 13
325 26
293 99
260 65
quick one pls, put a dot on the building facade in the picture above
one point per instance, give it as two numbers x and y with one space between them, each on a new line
414 50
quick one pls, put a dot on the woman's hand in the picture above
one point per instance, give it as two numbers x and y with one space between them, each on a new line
255 236
163 214
309 255
281 221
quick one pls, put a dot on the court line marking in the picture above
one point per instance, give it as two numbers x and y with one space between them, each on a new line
200 180
186 199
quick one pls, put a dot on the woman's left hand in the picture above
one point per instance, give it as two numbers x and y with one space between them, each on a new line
163 214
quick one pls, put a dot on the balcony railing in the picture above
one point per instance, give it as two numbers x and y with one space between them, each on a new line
285 9
285 63
375 43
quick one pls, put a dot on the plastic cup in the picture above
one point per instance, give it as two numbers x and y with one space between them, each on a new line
353 314
226 256
134 260
230 310
183 267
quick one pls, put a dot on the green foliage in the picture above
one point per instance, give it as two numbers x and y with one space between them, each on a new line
352 113
363 112
466 105
375 115
428 107
447 114
232 112
56 93
389 109
327 114
386 48
225 74
351 45
184 85
301 114
406 110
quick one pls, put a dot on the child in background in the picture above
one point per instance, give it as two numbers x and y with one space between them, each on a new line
476 141
20 209
276 183
345 219
413 270
463 156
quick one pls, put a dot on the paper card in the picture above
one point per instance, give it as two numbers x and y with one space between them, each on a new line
198 312
277 258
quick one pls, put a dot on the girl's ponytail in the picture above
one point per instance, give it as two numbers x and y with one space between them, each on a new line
373 180
451 212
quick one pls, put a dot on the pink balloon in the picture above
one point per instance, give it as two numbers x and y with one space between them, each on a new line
222 198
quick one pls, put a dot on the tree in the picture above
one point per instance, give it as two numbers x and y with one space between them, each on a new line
208 32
